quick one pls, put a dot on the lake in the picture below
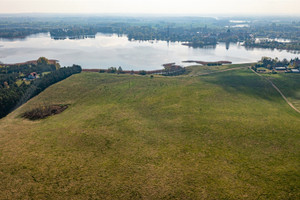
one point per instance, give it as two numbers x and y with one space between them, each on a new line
105 51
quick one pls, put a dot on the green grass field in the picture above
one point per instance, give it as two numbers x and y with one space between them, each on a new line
196 70
227 135
288 83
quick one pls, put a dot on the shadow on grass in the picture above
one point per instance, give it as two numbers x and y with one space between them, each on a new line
244 82
288 84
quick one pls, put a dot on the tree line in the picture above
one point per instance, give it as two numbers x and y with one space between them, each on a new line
12 96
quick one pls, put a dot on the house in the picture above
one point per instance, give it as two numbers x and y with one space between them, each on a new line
280 68
295 70
32 75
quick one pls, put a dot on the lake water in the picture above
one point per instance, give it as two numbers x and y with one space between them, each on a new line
105 51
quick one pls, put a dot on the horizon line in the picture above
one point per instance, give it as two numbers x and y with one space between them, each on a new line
156 14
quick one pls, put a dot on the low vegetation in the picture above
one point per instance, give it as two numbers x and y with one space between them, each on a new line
42 112
226 135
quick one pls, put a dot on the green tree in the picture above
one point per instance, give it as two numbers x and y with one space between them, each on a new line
112 70
42 61
142 72
57 66
120 70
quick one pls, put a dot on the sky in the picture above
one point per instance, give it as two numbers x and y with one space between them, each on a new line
192 7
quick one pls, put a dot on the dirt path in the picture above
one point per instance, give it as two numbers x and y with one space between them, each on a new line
276 88
273 85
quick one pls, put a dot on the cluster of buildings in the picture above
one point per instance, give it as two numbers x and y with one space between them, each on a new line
286 69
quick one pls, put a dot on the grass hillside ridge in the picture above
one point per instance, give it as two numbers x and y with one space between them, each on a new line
226 135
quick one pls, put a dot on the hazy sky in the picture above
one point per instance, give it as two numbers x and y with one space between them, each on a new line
200 7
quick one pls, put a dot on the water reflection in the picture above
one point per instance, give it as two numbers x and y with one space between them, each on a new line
77 37
227 45
14 39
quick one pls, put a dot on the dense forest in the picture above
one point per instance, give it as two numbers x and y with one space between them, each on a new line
12 95
192 31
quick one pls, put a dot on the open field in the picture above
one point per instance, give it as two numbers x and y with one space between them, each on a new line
196 70
227 135
288 84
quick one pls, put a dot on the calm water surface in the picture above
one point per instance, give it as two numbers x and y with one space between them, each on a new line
105 51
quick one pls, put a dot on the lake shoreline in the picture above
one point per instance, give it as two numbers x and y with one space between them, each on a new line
111 50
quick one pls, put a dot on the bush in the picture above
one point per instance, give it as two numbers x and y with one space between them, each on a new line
44 111
142 72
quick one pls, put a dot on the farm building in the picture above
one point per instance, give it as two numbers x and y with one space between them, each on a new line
295 70
280 68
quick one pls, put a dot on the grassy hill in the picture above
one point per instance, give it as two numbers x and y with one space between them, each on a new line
227 135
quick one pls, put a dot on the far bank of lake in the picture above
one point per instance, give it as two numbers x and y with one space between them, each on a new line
105 51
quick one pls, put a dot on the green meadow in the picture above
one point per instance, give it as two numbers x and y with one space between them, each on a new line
226 135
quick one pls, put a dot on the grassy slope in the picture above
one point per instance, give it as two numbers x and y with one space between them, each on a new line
196 70
288 84
222 136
